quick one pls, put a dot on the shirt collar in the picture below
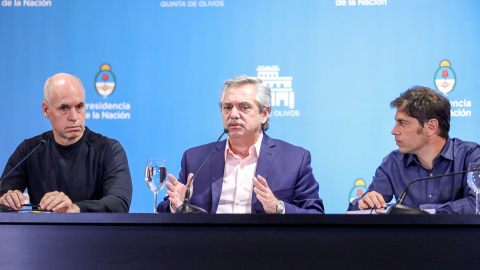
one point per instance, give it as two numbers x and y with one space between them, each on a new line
256 146
447 151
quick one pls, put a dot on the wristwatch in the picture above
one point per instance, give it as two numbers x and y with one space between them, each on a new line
280 207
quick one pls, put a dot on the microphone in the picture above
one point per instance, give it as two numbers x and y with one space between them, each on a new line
5 208
399 208
186 207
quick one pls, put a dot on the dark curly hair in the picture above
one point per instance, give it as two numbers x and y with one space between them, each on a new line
423 103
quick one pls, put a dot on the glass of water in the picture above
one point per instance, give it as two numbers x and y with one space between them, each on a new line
155 176
473 179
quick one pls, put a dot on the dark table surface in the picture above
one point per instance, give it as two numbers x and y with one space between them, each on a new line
171 241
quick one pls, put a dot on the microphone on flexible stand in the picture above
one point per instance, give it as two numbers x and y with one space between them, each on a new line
6 208
186 207
399 208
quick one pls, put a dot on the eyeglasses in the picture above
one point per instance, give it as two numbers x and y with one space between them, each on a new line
33 208
380 211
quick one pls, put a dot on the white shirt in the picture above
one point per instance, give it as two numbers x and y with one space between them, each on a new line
237 188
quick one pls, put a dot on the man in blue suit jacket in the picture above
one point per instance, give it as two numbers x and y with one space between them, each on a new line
284 181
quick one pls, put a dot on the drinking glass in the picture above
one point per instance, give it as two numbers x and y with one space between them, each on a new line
473 179
155 176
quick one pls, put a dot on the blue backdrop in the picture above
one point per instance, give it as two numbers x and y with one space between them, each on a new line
334 66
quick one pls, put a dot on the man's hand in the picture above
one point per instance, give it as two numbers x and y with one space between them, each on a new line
370 200
14 199
176 190
58 202
265 195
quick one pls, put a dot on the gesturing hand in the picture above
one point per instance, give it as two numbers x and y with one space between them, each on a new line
265 195
176 190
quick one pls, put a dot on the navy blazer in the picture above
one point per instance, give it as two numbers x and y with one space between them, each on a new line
286 168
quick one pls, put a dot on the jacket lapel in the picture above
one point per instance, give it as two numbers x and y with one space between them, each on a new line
265 160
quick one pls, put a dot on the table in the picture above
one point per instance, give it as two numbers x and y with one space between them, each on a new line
171 241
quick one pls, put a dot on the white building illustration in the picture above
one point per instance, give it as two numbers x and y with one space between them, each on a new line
281 86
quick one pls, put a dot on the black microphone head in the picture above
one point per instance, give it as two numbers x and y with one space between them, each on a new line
43 142
226 130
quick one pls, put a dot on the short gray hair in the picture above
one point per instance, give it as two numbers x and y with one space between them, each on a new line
263 94
47 89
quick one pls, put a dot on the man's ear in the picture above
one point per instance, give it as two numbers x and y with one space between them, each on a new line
432 127
265 115
45 109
